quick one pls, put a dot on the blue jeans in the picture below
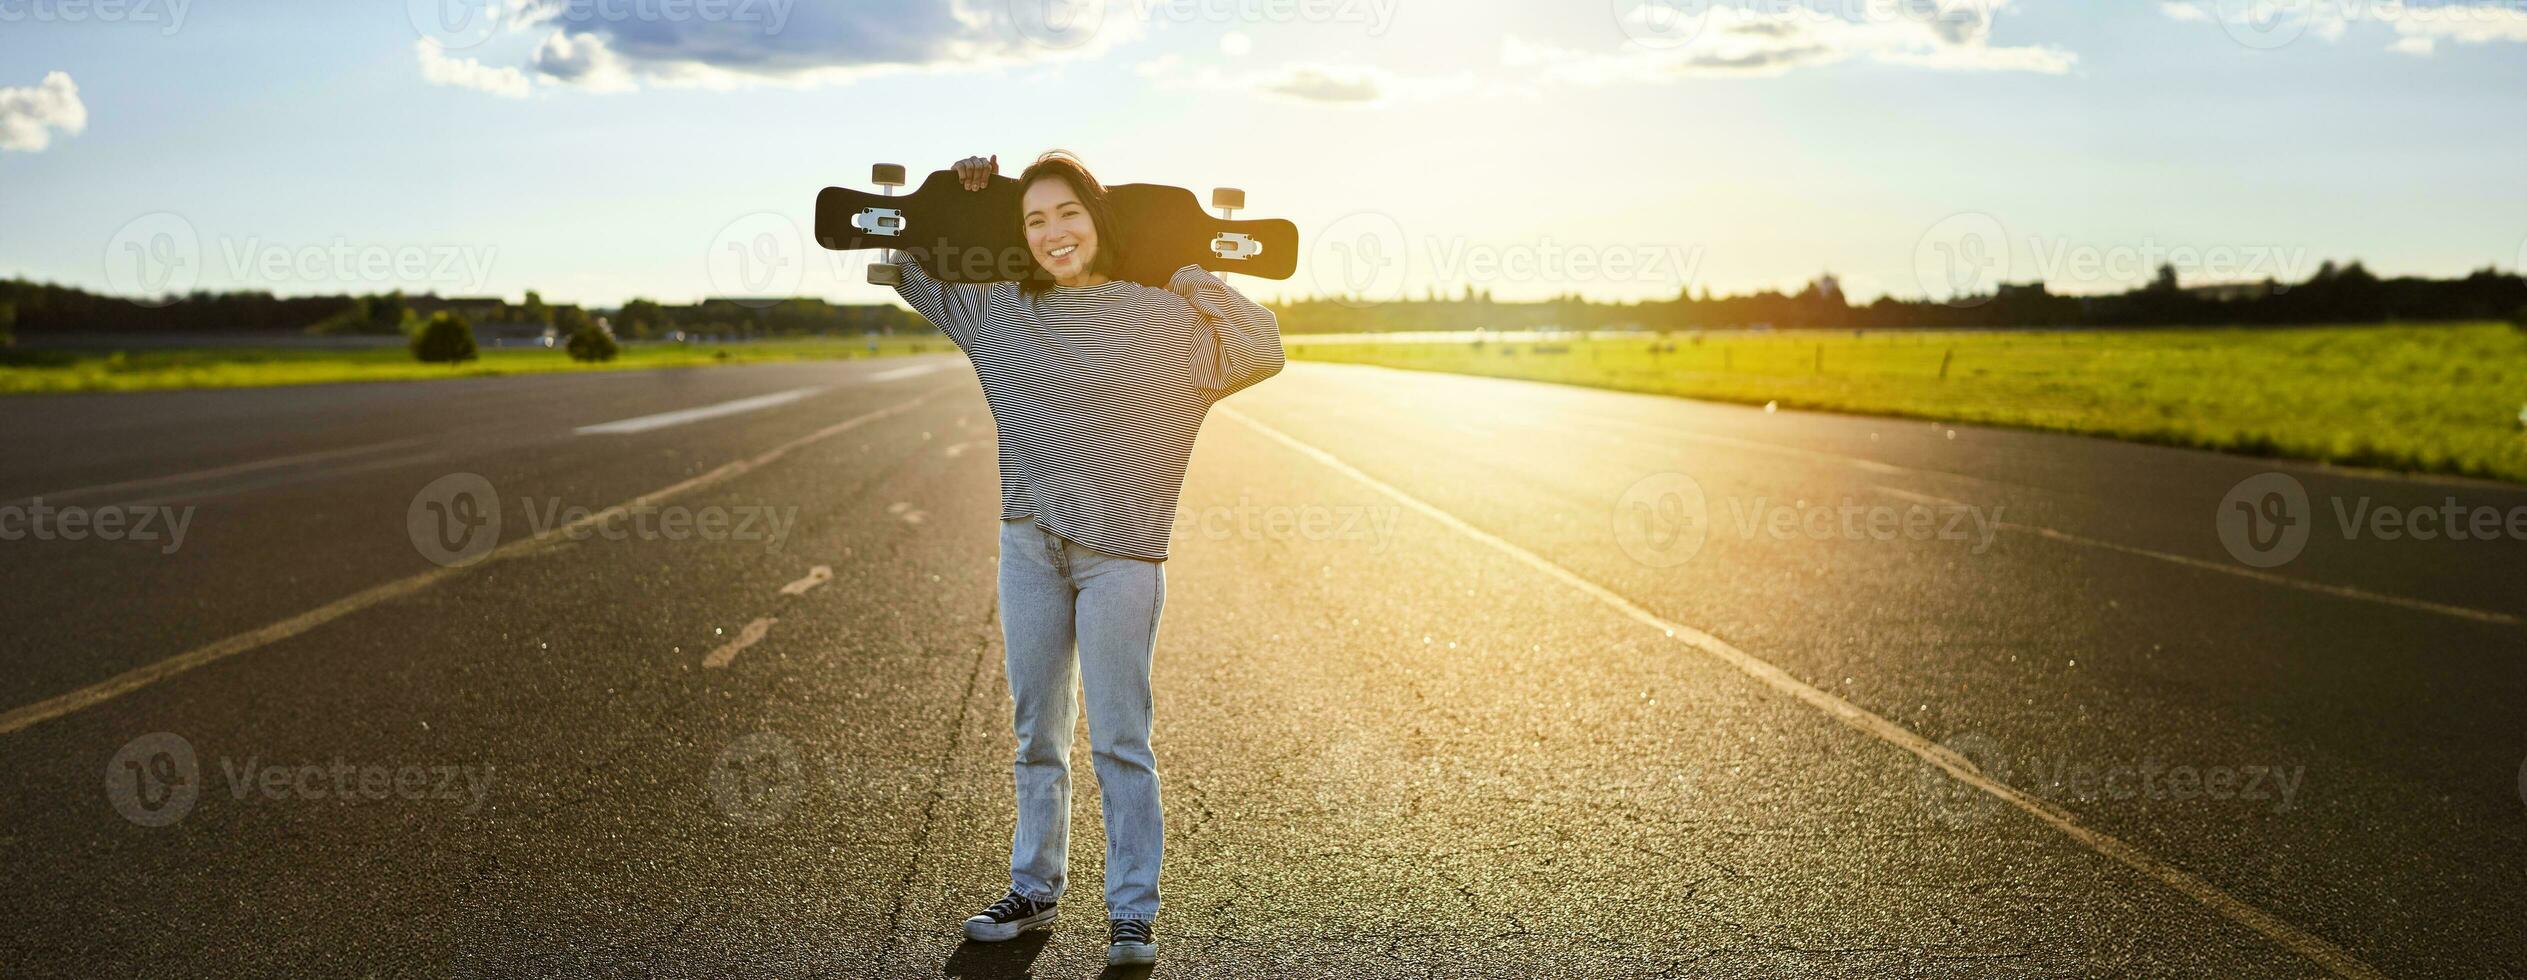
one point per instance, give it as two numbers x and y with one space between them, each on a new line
1055 594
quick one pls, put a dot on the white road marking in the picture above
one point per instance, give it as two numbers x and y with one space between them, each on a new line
2339 591
901 373
662 420
816 576
751 635
139 677
217 471
2308 945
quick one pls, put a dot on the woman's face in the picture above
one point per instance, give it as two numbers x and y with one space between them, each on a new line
1059 233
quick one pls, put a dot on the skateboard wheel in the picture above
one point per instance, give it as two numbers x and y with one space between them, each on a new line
1228 197
885 274
887 175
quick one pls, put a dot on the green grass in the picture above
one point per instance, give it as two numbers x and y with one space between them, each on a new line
36 372
2424 398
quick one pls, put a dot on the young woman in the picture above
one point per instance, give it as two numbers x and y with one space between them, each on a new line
1097 387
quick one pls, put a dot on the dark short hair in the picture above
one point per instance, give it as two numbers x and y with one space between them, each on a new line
1061 165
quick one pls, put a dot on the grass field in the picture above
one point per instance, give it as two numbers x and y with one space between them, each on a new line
36 372
2427 398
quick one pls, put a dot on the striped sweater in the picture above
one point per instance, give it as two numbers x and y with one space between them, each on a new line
1099 391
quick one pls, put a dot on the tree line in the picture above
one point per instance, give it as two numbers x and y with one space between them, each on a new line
2347 293
44 308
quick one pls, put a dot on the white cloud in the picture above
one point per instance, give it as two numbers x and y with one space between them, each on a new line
621 45
1314 83
28 116
2418 26
439 68
582 60
1942 35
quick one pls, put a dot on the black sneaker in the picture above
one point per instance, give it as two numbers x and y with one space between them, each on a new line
1130 941
1005 919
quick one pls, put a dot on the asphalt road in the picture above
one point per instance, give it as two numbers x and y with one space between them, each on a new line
1457 678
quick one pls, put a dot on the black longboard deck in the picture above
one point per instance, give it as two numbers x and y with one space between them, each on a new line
973 236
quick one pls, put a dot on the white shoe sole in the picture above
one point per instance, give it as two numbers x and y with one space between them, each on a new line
1122 953
986 931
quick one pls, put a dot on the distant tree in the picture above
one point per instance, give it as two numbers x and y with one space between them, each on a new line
643 319
536 311
445 339
388 312
8 324
587 339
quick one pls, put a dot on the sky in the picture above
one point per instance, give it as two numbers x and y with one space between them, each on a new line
601 150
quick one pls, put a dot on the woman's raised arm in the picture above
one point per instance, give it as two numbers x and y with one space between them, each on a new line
955 308
1236 343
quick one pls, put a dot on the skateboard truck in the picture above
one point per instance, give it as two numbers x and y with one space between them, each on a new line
883 221
1232 244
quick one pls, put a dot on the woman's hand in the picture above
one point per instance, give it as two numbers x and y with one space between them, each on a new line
977 172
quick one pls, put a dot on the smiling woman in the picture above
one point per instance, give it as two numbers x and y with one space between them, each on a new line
1066 218
1098 386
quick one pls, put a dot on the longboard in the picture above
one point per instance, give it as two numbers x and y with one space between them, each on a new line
973 236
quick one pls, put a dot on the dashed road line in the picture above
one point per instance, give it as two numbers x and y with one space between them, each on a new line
2305 944
753 633
684 416
901 373
816 576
